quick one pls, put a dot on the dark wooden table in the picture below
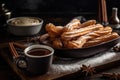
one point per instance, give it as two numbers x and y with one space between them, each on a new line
61 69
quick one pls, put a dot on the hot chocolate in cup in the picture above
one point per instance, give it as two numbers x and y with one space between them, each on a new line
38 58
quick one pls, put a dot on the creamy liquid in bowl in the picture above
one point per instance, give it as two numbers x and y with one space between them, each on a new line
25 21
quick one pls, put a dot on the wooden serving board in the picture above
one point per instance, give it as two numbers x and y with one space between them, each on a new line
65 68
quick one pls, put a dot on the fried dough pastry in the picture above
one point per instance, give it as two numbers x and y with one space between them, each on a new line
98 33
75 43
57 43
75 23
82 31
88 23
76 35
101 39
53 30
80 41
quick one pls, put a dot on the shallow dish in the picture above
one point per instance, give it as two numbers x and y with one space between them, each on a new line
88 51
82 52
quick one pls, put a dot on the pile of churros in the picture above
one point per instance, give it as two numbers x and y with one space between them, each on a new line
76 35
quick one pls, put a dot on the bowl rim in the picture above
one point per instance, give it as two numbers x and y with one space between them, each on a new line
8 21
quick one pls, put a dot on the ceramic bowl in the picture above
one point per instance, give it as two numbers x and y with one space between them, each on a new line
24 26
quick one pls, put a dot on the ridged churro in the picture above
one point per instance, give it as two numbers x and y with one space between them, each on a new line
76 35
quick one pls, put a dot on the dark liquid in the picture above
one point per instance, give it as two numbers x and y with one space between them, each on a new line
39 52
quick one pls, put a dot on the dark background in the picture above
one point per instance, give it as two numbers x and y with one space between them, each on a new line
58 7
69 6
